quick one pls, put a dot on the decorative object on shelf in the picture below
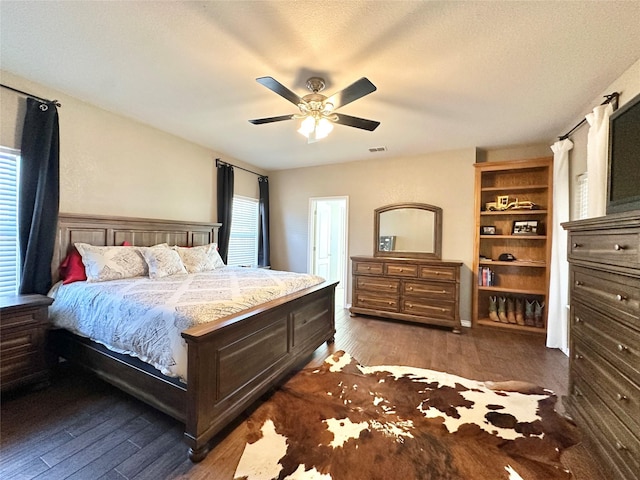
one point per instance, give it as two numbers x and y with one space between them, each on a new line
525 227
504 202
493 308
506 257
488 230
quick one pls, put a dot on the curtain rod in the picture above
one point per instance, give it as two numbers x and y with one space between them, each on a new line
218 162
40 99
611 98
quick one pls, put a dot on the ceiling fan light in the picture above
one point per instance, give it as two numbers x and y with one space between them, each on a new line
307 126
323 128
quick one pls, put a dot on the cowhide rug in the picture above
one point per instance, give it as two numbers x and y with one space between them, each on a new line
345 421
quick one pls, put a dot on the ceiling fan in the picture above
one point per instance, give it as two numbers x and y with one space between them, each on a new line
318 111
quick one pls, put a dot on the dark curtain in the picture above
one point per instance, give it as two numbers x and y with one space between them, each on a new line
225 206
39 193
263 226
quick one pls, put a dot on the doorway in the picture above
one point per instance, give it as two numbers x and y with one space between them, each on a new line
328 221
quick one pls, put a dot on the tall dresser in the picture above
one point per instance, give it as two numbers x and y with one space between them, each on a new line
409 289
604 374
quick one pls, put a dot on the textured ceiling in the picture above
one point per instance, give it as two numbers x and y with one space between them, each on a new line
449 74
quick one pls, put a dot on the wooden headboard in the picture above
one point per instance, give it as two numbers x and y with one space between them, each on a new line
142 232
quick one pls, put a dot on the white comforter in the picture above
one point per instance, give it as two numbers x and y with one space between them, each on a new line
144 317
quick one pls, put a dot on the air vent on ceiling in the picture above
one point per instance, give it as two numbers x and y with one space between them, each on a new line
378 149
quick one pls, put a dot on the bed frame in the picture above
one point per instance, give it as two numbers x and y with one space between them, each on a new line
231 362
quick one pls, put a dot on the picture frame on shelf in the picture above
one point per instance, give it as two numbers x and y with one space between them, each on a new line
488 230
525 227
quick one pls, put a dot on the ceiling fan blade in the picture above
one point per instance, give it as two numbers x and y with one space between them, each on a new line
275 86
260 121
357 122
353 92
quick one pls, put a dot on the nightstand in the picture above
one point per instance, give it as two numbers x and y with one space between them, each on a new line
23 326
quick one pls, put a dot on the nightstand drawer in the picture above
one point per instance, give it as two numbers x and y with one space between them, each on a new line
19 341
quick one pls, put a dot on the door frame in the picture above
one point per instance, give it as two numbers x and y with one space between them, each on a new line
341 300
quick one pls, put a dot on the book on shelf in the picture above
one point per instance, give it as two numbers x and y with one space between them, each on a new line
486 277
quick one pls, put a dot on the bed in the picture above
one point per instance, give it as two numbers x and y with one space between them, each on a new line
231 362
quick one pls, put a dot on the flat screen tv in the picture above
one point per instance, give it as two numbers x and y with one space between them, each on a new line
623 189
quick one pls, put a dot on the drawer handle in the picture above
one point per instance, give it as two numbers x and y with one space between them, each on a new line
390 286
617 247
410 305
577 356
437 273
576 245
391 303
621 397
577 392
622 348
368 268
579 320
620 298
410 289
579 283
620 446
401 270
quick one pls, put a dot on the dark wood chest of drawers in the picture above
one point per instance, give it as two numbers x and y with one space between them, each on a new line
23 325
414 290
604 375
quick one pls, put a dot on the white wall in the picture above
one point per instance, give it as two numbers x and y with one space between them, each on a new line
112 165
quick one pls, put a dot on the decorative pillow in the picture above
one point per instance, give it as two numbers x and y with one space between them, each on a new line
200 259
111 263
162 261
72 268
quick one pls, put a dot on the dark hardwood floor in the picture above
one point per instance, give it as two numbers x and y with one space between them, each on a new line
82 428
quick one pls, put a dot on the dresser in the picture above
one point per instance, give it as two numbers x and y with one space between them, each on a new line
23 326
604 369
413 290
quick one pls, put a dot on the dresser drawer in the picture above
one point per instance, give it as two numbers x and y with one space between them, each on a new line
619 393
439 273
618 295
611 340
441 310
607 247
376 302
377 284
401 269
438 291
620 444
370 268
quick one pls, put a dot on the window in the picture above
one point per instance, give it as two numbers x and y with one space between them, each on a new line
243 242
9 248
582 191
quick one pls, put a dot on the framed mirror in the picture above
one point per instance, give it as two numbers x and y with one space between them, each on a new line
408 230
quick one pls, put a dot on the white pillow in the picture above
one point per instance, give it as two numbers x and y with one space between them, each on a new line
162 261
200 259
111 263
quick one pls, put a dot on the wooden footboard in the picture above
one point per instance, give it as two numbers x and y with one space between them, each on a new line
234 362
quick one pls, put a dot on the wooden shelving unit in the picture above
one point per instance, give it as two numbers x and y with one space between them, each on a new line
526 278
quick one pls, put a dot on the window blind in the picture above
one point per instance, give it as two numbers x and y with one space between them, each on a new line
582 193
9 249
243 241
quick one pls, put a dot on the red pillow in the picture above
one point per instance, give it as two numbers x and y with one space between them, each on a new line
72 268
126 244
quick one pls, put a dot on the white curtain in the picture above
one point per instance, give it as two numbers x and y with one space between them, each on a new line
597 160
557 323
